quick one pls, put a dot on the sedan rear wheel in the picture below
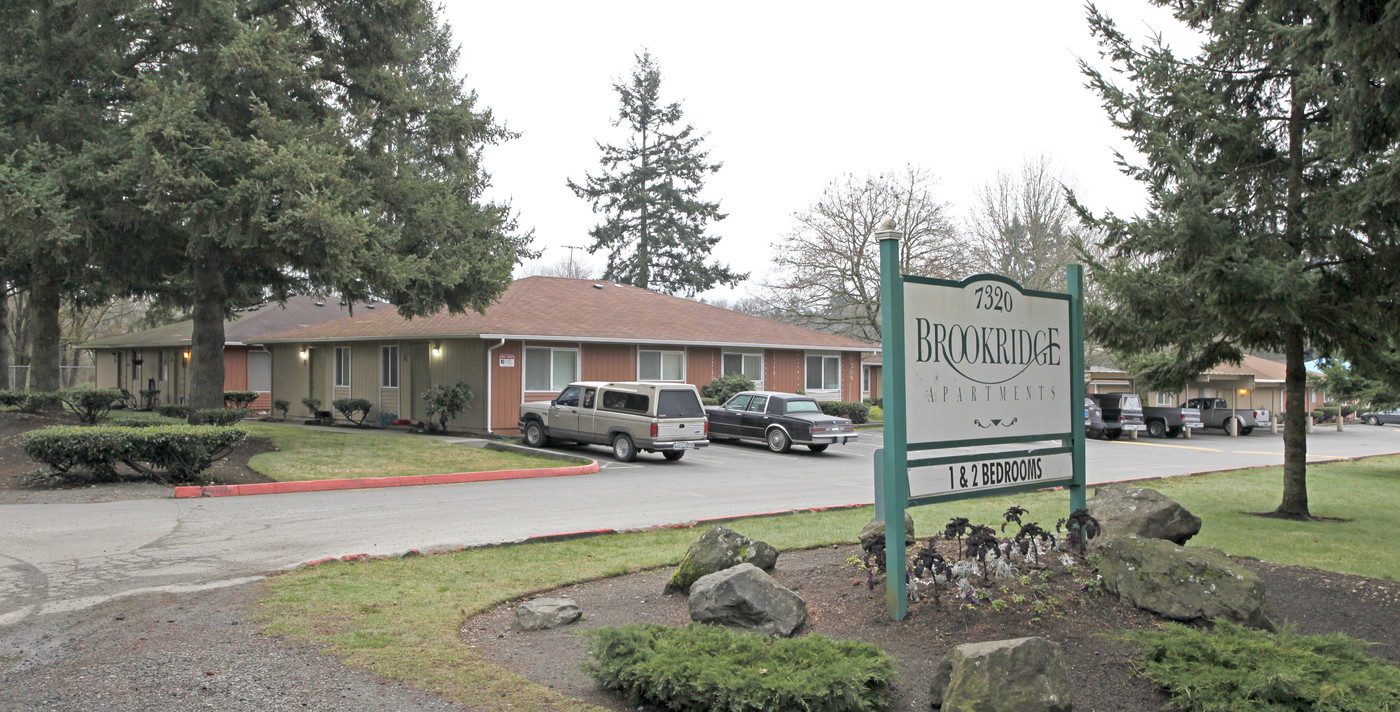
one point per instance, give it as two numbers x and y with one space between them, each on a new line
1372 420
819 448
623 448
778 441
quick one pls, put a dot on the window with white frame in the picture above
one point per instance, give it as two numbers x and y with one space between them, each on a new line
162 367
750 365
549 369
865 379
660 365
341 366
389 366
1166 399
260 371
823 373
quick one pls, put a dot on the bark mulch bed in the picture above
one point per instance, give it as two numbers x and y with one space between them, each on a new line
15 464
840 606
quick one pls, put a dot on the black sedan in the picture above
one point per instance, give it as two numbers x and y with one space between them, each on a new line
780 420
1381 417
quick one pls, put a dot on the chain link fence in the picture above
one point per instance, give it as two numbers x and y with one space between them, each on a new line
68 377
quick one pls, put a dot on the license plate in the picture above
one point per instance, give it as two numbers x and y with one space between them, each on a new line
684 445
1193 426
1134 427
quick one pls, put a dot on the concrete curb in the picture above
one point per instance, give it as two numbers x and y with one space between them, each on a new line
370 482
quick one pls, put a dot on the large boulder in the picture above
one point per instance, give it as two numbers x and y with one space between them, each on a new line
718 549
1020 675
545 613
1142 512
1196 583
744 597
875 530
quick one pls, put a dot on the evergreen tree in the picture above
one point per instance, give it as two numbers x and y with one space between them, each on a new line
649 190
1272 221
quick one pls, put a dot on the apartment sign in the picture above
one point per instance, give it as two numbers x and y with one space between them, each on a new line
985 359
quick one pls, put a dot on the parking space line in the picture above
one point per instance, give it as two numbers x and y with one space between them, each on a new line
1178 447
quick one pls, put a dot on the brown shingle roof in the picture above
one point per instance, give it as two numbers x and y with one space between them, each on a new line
243 327
555 308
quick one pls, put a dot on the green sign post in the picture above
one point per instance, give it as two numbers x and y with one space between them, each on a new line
986 368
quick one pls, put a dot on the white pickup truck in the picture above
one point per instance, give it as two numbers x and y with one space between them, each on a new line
651 417
1216 413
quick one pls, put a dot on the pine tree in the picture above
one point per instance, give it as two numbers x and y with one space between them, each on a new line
649 190
1271 222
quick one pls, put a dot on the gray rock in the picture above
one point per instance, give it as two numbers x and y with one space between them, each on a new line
1141 512
1019 675
1196 583
718 549
876 530
744 597
546 613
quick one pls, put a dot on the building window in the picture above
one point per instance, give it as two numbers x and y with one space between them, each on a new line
823 373
260 371
549 369
1166 399
865 379
162 367
750 365
389 366
661 365
342 366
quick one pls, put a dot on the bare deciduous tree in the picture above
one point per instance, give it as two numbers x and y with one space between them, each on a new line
1024 227
827 269
563 267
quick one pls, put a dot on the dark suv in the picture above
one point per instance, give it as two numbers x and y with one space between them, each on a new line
1122 412
1093 418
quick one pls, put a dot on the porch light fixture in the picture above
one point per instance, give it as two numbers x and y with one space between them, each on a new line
302 353
437 348
187 355
1243 391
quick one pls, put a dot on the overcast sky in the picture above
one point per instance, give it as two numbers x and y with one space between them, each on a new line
792 96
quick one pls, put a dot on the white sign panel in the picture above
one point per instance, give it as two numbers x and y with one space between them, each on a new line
507 360
984 360
991 474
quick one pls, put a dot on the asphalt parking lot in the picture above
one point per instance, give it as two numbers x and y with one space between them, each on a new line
851 465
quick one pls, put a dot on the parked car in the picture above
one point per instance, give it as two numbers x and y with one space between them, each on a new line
1216 413
1093 418
779 420
1122 413
652 417
1381 417
1169 422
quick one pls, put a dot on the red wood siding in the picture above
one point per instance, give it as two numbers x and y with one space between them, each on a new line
703 364
505 387
608 362
235 368
782 370
850 376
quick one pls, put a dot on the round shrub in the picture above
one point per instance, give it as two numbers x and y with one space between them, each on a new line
221 416
181 412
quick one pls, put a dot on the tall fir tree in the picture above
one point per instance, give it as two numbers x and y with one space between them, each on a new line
649 190
1271 221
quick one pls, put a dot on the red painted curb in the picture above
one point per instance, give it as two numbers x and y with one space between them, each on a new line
370 482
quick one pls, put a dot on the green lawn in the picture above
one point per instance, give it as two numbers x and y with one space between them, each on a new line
311 455
399 617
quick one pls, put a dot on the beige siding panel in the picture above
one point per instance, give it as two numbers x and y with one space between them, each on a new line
609 362
106 363
288 377
459 360
364 372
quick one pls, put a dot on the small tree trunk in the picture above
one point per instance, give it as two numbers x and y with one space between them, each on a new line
44 350
1295 428
5 383
207 335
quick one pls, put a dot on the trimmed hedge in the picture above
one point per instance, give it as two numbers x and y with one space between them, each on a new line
709 401
877 402
29 402
91 404
174 411
221 416
857 412
170 453
355 410
240 399
704 667
725 387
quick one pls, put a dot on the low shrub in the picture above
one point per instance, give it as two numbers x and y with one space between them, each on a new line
11 399
135 420
875 402
221 416
1236 668
703 667
283 405
709 401
90 404
446 402
29 402
174 411
857 412
724 387
172 453
312 404
355 410
240 399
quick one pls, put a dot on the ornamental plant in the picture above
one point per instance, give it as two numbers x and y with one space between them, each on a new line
355 410
90 404
240 399
446 402
281 404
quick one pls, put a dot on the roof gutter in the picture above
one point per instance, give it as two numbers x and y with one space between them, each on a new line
568 339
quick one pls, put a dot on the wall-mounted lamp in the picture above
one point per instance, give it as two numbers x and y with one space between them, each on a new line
187 355
437 348
1243 391
302 353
